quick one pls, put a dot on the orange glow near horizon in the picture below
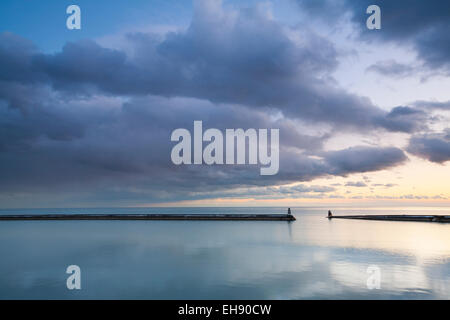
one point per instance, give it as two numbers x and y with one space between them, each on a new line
251 202
415 183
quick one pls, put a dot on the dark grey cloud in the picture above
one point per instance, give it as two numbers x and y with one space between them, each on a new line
93 124
432 105
405 119
125 155
241 58
15 59
433 147
425 25
363 159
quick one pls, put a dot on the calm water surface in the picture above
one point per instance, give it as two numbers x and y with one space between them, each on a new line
311 258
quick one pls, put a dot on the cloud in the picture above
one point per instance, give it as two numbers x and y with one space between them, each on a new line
423 25
405 119
271 192
124 154
358 184
433 147
432 105
91 124
15 59
386 185
258 62
363 159
392 68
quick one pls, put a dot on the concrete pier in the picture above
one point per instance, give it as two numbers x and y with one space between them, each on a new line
240 217
417 218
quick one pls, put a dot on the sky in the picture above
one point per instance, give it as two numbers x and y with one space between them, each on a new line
86 115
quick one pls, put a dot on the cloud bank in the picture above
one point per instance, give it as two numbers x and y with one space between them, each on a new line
93 123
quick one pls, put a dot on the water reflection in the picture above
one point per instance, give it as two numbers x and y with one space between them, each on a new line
310 258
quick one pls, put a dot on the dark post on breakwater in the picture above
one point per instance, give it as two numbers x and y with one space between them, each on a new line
223 217
405 217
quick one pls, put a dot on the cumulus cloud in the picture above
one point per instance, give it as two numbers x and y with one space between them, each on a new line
433 147
363 159
94 123
405 119
432 105
392 68
125 153
239 57
424 25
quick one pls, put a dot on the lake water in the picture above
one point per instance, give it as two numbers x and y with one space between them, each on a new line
311 258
